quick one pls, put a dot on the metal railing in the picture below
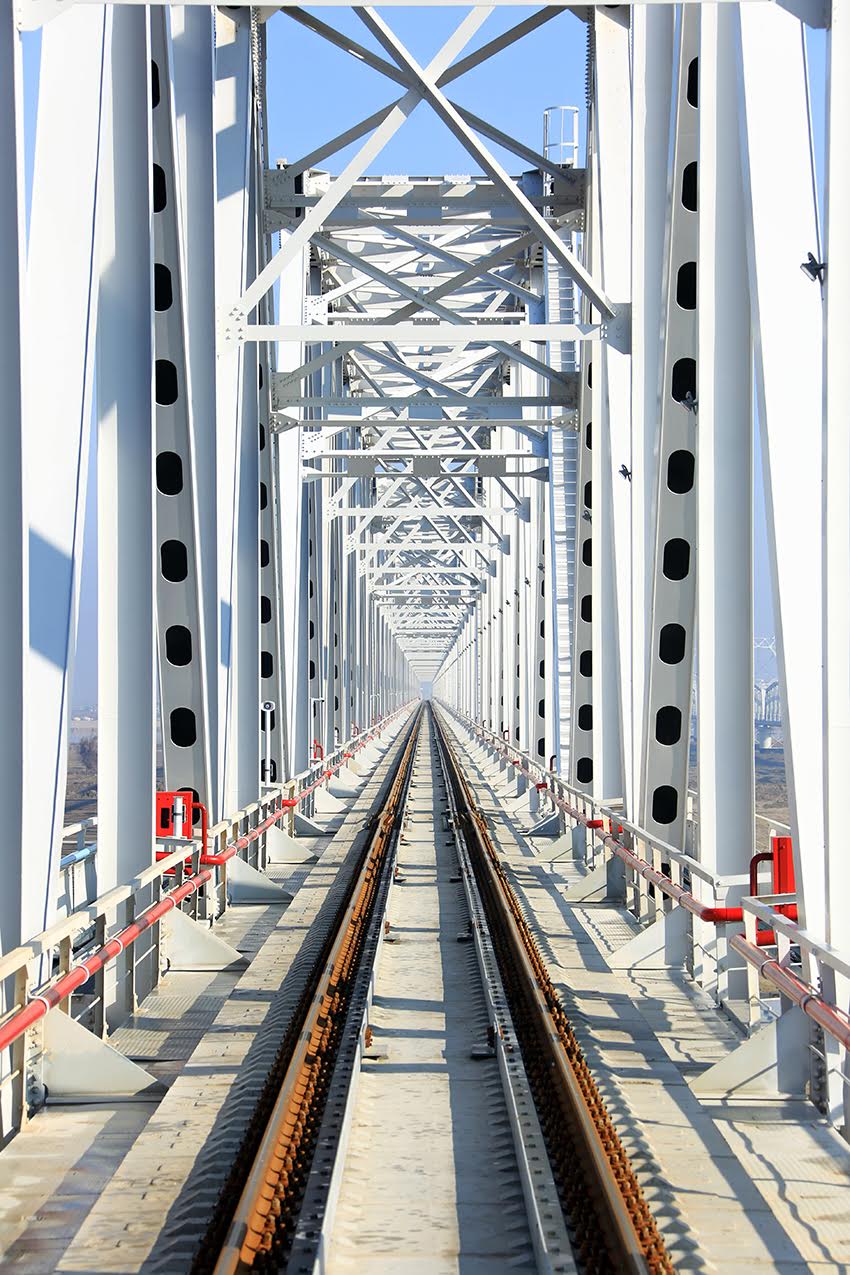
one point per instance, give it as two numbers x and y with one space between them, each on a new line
660 878
646 855
91 964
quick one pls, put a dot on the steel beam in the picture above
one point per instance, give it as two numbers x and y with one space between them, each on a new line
191 59
836 470
788 392
652 92
238 307
126 694
667 716
183 672
12 631
725 474
425 79
236 422
61 282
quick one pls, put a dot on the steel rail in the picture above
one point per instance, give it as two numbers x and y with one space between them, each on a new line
264 1219
612 1227
546 1221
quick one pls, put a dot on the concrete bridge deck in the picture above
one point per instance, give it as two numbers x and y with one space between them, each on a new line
427 1186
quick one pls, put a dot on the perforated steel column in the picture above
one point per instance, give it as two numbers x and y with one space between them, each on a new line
670 663
182 653
125 461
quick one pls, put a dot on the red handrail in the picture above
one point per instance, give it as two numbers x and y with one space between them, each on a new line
43 1002
810 1001
711 915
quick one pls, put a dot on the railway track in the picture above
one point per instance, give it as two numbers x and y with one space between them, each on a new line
305 1174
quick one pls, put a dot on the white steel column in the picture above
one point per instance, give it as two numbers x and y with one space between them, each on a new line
581 698
192 91
179 613
612 419
652 90
667 716
12 238
836 470
61 283
836 597
291 501
773 116
250 554
238 530
724 467
126 692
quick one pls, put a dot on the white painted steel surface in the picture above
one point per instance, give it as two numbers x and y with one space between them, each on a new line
367 436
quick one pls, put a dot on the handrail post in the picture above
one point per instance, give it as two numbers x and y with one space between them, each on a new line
753 1005
252 822
18 1054
156 944
130 959
65 954
99 1028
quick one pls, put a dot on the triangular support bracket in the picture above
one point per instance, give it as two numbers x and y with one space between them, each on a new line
191 946
76 1066
246 885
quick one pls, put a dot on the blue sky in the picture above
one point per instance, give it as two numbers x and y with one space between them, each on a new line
316 90
316 98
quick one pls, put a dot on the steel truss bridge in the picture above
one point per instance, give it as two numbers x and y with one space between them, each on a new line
353 980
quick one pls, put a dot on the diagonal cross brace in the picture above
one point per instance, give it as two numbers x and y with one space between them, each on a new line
405 106
419 300
427 83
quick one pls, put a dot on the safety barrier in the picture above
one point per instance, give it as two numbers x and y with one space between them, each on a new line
77 875
672 872
663 878
90 965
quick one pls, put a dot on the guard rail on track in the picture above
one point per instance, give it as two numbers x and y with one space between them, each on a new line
268 1175
278 1224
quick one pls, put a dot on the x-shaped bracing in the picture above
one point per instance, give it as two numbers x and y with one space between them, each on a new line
425 85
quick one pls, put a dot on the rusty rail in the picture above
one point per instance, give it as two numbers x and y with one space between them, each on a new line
611 1225
262 1227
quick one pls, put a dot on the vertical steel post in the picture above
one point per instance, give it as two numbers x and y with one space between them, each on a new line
290 505
236 416
836 476
652 89
775 140
125 459
612 700
61 282
725 469
191 53
183 673
663 797
12 268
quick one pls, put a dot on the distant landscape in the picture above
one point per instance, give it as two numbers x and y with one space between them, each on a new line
771 791
81 791
81 799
